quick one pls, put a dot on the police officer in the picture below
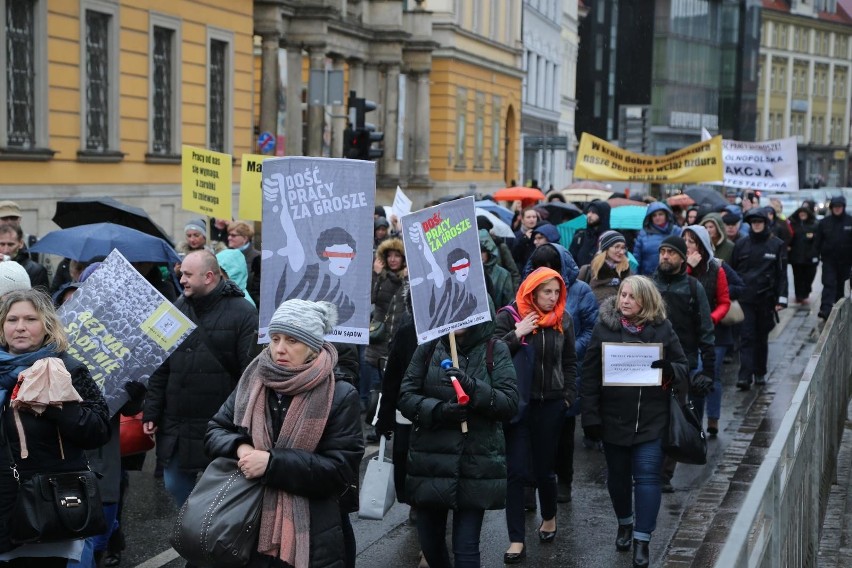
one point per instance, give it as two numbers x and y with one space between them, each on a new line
761 260
833 242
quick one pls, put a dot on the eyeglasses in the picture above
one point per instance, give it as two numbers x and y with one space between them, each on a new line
234 235
618 247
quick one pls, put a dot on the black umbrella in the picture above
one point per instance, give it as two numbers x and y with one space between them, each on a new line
706 198
76 211
558 212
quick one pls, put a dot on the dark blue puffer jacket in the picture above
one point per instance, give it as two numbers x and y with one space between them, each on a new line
646 249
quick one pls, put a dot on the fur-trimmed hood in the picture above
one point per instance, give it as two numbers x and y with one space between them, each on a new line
388 245
609 315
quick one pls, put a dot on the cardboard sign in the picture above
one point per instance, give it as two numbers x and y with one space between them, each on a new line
251 179
206 182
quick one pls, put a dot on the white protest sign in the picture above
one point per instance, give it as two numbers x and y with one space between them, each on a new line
766 166
401 204
629 364
318 239
445 268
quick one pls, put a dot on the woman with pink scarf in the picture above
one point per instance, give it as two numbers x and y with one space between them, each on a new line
297 430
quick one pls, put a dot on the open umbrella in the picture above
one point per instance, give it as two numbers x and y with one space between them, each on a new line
627 217
558 211
623 201
76 211
518 193
708 198
88 242
581 195
505 214
499 227
680 200
587 184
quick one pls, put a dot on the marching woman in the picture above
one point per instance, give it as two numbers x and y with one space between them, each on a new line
537 322
631 420
290 424
449 469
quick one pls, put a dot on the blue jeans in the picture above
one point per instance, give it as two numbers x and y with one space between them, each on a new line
179 483
634 473
432 529
714 399
532 443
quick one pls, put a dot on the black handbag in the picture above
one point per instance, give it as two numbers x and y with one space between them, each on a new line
57 506
220 521
378 332
684 440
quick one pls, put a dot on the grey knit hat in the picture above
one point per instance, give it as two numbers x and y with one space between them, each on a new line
13 277
609 238
309 322
196 225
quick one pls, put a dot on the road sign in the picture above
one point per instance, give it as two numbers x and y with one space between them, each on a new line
266 142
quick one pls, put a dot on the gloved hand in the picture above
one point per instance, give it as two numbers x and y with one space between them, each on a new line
593 432
700 385
384 429
135 390
450 413
468 383
666 366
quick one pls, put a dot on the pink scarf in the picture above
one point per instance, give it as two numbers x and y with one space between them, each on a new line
285 523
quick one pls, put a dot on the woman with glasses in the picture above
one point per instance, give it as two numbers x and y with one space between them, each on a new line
609 267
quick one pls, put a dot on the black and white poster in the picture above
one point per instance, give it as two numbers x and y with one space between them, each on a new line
445 268
318 239
121 327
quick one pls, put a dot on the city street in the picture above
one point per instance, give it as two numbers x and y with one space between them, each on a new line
586 525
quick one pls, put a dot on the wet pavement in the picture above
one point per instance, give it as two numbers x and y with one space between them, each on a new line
691 526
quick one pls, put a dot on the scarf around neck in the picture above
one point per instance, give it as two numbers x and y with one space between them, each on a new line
11 366
285 523
525 298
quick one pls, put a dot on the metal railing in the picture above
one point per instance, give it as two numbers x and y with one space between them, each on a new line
779 522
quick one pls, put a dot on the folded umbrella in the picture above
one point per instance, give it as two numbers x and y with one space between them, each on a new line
88 242
76 211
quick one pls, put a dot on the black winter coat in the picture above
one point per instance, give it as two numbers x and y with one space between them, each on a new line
402 347
761 260
83 426
192 384
692 322
554 372
448 469
803 246
834 238
36 272
629 415
325 476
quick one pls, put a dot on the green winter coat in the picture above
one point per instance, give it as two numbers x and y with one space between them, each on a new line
448 469
501 280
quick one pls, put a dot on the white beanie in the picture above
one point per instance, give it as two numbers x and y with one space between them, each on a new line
309 322
13 277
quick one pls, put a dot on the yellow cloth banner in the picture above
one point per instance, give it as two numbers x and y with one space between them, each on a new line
251 179
206 182
701 162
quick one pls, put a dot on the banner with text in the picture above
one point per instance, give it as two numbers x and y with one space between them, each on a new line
445 268
318 239
772 165
251 178
598 159
121 327
206 182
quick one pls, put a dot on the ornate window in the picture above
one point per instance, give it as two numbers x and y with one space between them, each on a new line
162 101
216 94
20 79
97 86
479 133
461 127
496 111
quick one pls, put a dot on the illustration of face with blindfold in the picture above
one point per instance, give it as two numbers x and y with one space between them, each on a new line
337 247
458 261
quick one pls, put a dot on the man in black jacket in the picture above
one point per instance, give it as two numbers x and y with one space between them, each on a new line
584 245
761 260
188 389
833 242
12 245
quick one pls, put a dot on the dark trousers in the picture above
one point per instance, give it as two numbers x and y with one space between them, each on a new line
565 452
754 336
349 544
834 276
532 444
401 438
432 530
803 278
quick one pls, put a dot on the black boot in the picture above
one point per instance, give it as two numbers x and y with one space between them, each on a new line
641 557
623 538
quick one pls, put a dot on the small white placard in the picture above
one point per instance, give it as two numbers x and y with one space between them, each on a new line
401 204
629 364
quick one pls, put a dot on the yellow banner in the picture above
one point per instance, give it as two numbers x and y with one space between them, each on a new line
699 163
206 182
251 195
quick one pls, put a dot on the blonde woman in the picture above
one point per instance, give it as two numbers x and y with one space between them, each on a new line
608 267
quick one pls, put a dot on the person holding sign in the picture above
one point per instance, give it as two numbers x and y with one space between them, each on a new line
449 469
540 335
631 419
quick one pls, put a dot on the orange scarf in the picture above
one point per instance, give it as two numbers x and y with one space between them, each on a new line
525 298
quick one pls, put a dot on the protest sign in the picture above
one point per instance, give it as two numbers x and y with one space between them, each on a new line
401 204
121 327
445 268
318 239
251 176
772 165
597 159
206 182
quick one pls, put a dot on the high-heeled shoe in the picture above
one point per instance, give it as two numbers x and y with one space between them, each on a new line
623 538
515 557
546 536
641 557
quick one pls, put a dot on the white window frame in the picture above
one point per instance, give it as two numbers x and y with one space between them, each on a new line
157 20
40 84
114 138
227 37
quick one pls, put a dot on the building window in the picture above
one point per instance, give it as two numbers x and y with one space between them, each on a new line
97 81
20 79
479 133
162 102
220 80
461 127
496 112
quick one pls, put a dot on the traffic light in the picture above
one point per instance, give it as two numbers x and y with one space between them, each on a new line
360 137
